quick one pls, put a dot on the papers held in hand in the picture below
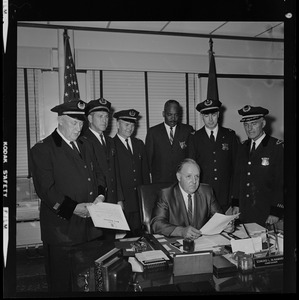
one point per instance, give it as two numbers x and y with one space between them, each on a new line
217 223
108 215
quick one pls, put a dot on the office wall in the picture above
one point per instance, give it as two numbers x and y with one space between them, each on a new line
40 48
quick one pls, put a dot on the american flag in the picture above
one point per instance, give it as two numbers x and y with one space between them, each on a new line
71 87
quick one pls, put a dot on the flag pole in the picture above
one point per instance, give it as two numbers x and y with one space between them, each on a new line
61 61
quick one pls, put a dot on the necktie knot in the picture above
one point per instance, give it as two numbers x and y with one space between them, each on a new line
212 137
128 146
75 148
102 139
252 148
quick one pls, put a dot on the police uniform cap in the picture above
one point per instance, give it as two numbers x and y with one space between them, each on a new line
251 113
74 109
100 104
129 115
208 106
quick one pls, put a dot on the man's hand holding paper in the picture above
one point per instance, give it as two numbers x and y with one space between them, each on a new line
108 215
217 224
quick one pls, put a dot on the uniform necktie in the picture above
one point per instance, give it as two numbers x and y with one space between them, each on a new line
102 140
171 136
252 148
128 146
212 137
190 208
75 149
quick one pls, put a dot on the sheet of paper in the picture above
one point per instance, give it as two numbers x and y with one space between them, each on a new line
248 246
108 215
217 223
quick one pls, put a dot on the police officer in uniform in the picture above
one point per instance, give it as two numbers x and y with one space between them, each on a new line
214 148
133 166
66 180
258 183
97 112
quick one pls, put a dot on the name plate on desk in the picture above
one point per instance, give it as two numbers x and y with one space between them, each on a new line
193 263
268 261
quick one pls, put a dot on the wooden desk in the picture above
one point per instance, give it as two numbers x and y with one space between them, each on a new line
263 280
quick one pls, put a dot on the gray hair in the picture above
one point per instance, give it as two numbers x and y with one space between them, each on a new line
187 161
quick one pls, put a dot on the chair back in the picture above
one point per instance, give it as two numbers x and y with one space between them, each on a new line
147 195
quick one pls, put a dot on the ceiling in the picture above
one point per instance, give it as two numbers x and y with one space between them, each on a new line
251 29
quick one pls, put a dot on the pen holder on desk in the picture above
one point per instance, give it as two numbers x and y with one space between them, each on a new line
188 245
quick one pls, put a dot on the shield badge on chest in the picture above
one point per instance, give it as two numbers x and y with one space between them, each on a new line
265 161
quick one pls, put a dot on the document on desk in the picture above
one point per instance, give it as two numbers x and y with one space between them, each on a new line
217 223
108 215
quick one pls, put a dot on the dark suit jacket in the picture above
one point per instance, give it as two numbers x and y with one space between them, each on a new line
108 163
216 160
163 158
62 180
170 210
133 171
258 182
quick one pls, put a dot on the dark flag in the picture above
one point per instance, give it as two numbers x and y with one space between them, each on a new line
71 87
212 80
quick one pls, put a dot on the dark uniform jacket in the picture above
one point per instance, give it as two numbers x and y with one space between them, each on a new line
258 183
170 209
163 158
62 180
216 161
133 171
108 163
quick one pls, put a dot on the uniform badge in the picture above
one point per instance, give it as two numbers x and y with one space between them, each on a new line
225 146
81 105
183 145
265 161
102 101
246 108
132 113
208 103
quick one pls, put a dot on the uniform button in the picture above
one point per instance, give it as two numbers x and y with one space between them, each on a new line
111 179
134 171
215 178
112 191
85 166
215 170
249 162
134 188
248 184
89 179
248 173
214 160
247 195
90 193
134 179
214 152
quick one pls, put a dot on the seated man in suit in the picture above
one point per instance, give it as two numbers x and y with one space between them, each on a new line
183 208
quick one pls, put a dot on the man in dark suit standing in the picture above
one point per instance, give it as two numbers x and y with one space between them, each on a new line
67 180
97 112
214 148
132 165
258 181
166 144
183 208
